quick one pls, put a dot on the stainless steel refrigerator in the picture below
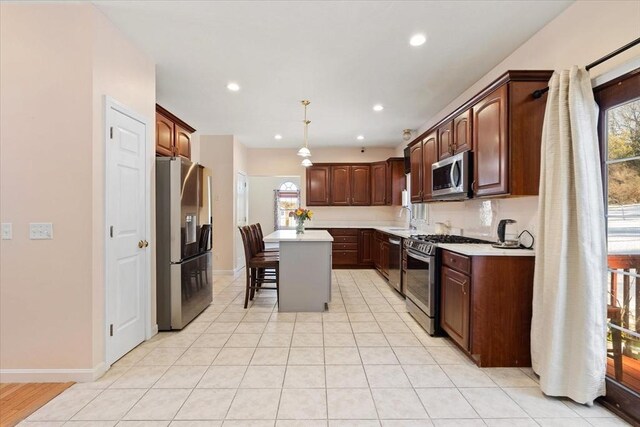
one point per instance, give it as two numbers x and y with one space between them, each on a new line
184 229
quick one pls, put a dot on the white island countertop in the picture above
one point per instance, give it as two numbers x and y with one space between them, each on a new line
291 236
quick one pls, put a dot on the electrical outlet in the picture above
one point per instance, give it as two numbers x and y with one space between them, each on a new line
7 231
40 231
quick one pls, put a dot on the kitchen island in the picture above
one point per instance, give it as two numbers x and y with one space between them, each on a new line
305 269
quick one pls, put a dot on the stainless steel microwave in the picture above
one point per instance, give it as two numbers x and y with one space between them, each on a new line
450 178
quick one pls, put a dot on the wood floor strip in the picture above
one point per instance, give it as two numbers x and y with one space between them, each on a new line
18 401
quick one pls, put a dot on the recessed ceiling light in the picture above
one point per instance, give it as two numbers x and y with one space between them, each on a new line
378 107
278 136
360 137
233 87
417 40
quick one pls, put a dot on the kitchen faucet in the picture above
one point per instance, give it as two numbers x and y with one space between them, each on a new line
411 226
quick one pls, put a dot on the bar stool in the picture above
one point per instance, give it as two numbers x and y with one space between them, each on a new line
261 237
256 264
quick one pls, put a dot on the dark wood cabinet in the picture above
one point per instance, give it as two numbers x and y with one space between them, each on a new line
340 194
462 139
379 183
486 307
415 158
164 136
360 185
173 136
445 141
491 167
365 247
318 178
429 147
454 312
502 127
396 181
183 142
350 185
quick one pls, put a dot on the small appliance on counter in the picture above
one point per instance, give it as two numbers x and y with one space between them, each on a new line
504 243
184 241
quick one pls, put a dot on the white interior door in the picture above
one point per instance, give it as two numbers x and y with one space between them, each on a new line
127 270
242 212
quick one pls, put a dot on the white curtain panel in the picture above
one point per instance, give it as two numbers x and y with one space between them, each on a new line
568 331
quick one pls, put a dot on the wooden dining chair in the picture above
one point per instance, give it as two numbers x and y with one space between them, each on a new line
256 266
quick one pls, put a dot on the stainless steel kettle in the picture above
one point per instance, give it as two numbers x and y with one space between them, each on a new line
502 227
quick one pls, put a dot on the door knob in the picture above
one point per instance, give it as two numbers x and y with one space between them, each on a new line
146 243
141 244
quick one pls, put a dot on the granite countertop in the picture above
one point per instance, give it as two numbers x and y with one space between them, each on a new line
291 236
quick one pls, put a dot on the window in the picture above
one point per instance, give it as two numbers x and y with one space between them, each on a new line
619 131
286 200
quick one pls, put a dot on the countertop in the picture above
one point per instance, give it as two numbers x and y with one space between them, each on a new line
291 236
461 248
480 249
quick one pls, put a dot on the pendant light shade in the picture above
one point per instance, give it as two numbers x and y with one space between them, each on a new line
306 163
304 152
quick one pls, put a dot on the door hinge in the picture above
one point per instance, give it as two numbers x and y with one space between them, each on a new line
111 132
111 330
111 231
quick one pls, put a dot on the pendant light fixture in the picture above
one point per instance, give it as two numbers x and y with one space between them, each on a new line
304 151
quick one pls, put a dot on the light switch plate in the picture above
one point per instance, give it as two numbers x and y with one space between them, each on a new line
40 231
7 231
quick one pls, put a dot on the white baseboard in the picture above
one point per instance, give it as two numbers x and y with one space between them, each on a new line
154 331
52 375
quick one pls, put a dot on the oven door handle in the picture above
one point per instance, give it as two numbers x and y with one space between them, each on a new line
418 257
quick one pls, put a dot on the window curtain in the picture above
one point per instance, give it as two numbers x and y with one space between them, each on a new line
568 331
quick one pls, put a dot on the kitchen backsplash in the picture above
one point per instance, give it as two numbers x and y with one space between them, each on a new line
477 218
335 216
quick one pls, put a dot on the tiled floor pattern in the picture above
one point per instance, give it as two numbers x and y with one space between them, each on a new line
363 363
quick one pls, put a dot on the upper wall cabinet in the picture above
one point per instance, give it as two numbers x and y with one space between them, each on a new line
490 139
415 157
502 126
462 132
173 136
379 183
362 184
350 185
422 156
445 141
318 179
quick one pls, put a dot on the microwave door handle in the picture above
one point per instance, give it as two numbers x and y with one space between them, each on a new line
455 165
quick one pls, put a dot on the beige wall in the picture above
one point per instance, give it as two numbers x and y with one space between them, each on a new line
123 73
57 61
216 153
584 32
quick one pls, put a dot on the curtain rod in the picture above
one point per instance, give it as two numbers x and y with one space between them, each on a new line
538 93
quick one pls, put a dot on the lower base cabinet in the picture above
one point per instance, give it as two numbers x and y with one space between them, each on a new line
486 307
351 247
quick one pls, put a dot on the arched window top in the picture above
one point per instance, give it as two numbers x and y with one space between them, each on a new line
288 186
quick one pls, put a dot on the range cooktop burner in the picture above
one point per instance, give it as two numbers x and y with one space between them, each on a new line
447 238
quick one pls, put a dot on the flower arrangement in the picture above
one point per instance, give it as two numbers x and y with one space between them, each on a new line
301 215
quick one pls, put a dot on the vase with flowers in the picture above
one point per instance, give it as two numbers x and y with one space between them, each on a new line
301 215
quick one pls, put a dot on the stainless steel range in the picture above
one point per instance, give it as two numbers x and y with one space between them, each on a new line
421 267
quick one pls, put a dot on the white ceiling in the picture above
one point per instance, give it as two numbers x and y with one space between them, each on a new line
343 56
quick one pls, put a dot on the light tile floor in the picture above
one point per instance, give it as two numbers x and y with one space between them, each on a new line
365 362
